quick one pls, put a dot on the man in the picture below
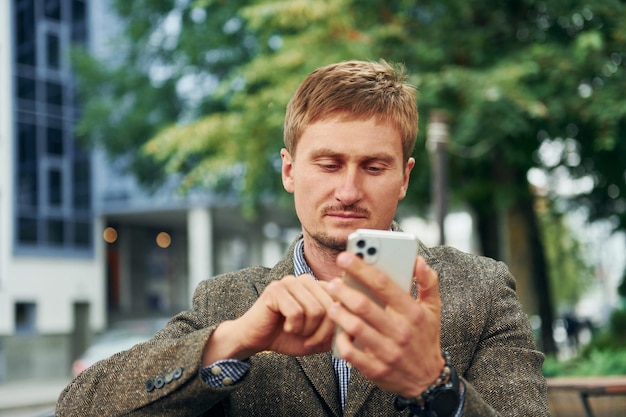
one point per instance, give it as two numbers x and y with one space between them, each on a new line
257 341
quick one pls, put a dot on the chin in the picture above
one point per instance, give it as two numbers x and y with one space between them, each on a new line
335 242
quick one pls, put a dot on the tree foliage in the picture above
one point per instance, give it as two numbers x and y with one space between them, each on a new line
569 270
199 89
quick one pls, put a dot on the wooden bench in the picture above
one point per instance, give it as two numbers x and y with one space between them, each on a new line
587 387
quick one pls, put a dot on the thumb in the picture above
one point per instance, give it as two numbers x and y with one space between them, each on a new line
427 282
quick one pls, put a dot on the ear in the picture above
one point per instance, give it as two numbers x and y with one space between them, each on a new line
287 170
405 181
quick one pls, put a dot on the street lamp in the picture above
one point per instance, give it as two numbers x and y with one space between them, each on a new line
437 144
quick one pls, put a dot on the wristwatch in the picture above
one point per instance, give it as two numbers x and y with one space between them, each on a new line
441 399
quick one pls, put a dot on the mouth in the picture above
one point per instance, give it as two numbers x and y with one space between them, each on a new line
347 216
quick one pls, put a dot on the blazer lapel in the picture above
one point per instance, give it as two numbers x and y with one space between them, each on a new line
319 370
359 389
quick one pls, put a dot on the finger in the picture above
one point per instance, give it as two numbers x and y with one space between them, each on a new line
427 282
282 303
364 319
322 337
385 289
355 350
356 302
313 302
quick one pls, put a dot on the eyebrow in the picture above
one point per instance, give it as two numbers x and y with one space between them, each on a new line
329 153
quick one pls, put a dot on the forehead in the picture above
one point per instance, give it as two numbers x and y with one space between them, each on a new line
351 136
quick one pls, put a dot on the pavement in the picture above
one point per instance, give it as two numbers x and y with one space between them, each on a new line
30 398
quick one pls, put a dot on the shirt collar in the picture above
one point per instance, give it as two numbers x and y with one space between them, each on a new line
299 263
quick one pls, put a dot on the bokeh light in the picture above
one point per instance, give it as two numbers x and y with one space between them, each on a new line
163 240
109 235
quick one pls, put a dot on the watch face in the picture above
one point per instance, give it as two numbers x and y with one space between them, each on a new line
444 402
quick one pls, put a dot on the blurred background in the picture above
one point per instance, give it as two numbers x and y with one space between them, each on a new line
139 155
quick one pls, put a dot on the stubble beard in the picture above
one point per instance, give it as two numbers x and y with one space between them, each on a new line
332 245
329 243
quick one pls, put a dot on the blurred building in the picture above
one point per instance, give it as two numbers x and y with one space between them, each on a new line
51 274
82 245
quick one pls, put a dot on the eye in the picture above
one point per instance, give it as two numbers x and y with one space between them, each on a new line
374 169
328 165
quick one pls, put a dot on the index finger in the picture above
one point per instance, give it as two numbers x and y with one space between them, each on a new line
372 278
383 286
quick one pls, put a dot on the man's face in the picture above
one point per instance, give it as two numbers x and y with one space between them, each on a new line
345 175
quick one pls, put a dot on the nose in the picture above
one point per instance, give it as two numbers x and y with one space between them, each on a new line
349 188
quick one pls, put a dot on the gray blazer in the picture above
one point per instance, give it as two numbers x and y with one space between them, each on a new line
483 326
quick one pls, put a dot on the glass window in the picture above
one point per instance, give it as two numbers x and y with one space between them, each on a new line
54 93
53 51
26 88
79 27
54 140
55 187
52 9
82 184
82 234
27 187
25 317
56 232
27 146
25 33
27 231
53 176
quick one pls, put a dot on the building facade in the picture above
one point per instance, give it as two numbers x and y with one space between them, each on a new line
50 269
82 245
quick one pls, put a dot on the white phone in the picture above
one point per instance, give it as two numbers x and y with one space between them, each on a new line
392 252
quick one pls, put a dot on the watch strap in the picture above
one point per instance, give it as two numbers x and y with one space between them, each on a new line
441 399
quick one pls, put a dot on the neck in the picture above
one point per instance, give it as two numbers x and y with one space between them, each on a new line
321 260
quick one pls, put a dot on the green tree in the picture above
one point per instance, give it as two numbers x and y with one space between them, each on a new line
511 76
160 69
569 270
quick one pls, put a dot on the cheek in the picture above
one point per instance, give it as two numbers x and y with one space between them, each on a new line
389 191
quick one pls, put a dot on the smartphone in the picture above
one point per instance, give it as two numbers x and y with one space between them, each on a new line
392 252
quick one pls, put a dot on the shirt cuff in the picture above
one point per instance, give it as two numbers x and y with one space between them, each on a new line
224 373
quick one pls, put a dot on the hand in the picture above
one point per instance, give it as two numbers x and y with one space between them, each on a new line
397 346
289 317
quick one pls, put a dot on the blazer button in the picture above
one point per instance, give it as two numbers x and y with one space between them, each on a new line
159 382
169 377
149 385
178 372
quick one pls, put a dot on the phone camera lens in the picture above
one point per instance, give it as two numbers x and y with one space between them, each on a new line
371 251
360 255
360 243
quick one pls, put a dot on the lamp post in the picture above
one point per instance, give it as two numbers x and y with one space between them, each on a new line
437 144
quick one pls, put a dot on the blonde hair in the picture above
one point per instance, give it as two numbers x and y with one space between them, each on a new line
354 90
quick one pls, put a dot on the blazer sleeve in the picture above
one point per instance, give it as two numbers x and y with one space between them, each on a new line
161 376
497 359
